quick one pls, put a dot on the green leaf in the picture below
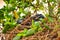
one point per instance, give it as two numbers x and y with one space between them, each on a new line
44 1
21 10
43 21
30 32
50 19
37 24
50 0
24 33
5 29
41 7
40 29
46 26
17 38
1 16
8 26
33 24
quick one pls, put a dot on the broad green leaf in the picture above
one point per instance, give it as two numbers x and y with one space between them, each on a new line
30 32
37 24
17 38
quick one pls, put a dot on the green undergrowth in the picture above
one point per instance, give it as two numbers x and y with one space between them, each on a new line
35 27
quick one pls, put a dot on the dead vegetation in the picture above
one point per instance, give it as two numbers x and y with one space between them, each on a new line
52 34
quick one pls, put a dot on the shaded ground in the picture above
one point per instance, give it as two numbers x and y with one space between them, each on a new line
52 34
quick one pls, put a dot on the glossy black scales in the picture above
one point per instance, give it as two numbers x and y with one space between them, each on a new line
19 21
37 17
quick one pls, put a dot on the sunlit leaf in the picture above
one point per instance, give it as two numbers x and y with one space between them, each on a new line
30 32
16 38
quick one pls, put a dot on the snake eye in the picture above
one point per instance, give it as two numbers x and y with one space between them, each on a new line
19 21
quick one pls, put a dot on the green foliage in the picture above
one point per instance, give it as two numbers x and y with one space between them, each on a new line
8 26
19 35
22 34
58 11
1 14
43 21
30 32
17 38
52 0
46 26
12 5
50 19
41 7
34 28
